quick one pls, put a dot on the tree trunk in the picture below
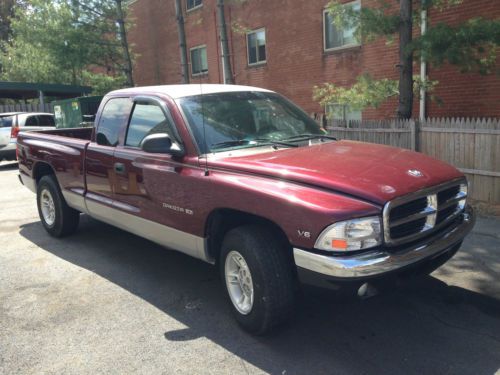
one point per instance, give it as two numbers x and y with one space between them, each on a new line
182 41
124 42
225 45
405 61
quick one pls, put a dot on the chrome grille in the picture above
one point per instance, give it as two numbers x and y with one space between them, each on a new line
415 215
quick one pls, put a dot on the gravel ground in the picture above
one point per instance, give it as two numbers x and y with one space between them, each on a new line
107 302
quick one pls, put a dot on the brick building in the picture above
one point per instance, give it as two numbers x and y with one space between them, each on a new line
288 46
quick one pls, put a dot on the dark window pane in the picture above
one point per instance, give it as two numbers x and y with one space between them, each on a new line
31 121
147 119
199 62
113 118
46 120
6 122
256 42
193 3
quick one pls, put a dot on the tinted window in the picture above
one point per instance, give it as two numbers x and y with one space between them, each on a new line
31 121
113 117
46 120
146 119
244 116
6 122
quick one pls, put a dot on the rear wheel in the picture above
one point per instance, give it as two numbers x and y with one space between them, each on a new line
258 276
57 217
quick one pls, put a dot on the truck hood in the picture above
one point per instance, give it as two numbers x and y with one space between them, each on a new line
373 172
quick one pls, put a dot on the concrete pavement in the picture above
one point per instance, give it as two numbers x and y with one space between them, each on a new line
104 301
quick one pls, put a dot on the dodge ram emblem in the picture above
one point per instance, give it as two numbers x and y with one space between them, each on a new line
415 173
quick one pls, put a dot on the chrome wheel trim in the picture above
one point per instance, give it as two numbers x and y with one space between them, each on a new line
239 282
47 207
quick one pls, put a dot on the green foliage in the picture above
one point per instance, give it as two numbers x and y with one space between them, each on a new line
366 92
64 41
472 46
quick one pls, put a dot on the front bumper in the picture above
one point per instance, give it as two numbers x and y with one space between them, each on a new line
382 262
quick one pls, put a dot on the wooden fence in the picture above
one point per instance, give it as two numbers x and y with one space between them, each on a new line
472 145
47 107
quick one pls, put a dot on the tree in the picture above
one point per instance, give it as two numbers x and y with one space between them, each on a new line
68 41
471 46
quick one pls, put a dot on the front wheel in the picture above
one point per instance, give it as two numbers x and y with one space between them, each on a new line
57 217
258 277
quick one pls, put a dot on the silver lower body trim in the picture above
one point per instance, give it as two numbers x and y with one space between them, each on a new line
380 262
163 235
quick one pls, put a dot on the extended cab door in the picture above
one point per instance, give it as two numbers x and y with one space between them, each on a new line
99 166
154 191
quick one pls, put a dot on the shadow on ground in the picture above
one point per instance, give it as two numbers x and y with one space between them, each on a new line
8 166
427 327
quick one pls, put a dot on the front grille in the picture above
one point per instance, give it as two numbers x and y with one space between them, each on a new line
414 216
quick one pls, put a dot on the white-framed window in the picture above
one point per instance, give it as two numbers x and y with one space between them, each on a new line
342 112
193 4
199 63
335 37
256 47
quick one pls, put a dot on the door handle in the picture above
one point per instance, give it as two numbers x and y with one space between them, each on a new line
119 167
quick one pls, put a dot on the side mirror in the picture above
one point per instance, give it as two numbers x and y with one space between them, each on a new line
159 143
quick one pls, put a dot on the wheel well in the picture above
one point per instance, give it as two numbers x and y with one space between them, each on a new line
42 169
223 220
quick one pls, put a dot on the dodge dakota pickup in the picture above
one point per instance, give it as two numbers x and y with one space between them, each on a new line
242 178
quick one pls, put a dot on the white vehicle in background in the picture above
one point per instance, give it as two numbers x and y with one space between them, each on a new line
13 122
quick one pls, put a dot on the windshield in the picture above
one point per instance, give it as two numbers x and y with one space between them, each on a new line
244 119
6 121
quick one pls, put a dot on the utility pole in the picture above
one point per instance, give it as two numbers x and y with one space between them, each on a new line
124 42
226 61
405 105
182 41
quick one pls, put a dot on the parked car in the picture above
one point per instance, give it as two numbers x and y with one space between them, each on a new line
242 178
10 125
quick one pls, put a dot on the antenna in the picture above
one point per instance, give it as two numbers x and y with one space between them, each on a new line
203 125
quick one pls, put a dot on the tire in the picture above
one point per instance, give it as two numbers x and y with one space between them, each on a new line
57 217
265 258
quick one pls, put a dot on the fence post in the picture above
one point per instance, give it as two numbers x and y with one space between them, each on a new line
413 136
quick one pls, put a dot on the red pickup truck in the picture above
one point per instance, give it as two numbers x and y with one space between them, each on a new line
242 178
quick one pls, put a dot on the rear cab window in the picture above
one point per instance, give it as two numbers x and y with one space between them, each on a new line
46 120
31 121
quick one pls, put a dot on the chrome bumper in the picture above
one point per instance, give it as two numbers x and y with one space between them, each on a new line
380 262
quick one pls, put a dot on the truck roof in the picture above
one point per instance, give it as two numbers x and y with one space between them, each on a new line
180 91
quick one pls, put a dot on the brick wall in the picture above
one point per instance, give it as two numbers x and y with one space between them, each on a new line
295 57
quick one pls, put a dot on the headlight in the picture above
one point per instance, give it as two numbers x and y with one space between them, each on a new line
351 235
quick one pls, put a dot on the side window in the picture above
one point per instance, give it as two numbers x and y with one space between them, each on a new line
146 119
336 36
31 121
46 120
256 43
113 117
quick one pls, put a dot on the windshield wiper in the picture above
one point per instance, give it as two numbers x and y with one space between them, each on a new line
273 142
310 136
251 142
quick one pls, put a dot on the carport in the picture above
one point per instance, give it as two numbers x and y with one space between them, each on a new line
24 91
